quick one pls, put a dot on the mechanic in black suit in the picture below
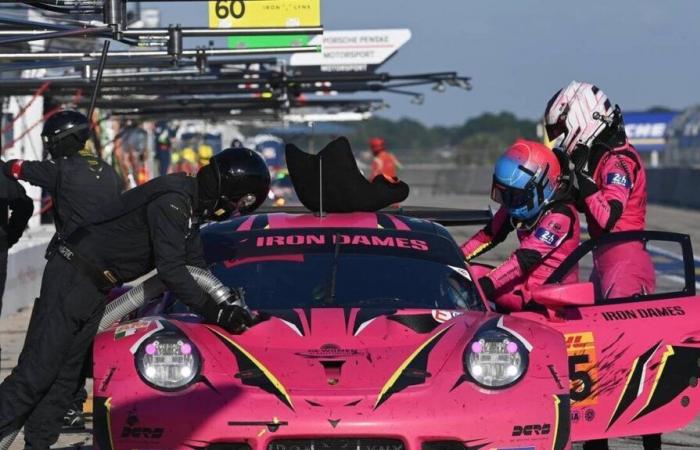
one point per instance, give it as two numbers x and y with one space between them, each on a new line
80 183
152 226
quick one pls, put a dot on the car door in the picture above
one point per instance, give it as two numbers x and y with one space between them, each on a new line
634 362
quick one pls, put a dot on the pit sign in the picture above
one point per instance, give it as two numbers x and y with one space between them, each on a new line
352 50
264 13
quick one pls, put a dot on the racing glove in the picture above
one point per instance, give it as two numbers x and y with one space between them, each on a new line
584 184
231 318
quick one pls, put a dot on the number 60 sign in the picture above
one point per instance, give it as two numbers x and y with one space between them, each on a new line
264 13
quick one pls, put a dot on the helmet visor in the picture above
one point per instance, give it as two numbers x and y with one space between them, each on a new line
510 197
557 129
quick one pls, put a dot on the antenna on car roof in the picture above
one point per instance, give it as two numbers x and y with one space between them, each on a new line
320 187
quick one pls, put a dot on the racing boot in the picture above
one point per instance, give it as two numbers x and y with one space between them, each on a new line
74 419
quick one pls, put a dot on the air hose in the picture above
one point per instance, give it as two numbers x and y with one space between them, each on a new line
139 295
152 287
7 440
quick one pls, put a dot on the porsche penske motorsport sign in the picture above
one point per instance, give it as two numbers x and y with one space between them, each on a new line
352 50
264 13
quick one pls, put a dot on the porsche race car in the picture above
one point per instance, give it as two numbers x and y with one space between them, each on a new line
376 338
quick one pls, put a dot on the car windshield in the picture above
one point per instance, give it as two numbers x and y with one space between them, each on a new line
344 269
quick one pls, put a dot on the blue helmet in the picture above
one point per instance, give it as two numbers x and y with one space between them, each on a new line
525 179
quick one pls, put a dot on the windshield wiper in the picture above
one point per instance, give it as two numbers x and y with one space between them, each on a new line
330 294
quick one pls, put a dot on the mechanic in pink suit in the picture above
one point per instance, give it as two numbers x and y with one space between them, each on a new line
611 189
533 194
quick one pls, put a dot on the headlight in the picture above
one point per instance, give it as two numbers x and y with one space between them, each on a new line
495 359
168 361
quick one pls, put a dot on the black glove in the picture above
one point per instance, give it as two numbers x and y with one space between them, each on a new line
487 286
578 157
231 318
585 185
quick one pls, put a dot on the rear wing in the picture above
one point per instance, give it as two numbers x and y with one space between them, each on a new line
447 217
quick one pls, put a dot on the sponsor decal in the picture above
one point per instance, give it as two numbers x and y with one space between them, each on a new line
583 370
548 237
575 416
619 179
129 329
643 313
589 415
532 430
133 429
462 272
330 351
444 315
344 239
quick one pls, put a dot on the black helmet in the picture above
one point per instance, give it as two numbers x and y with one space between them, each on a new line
238 178
65 133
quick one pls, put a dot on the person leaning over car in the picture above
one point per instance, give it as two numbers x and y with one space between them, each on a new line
152 226
529 185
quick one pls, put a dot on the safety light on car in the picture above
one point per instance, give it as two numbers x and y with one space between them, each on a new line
168 361
495 359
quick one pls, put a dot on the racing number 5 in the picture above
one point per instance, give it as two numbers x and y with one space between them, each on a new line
581 382
233 8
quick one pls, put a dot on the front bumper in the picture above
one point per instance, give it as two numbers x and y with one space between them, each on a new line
464 418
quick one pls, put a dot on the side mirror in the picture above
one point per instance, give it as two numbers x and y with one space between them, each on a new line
555 296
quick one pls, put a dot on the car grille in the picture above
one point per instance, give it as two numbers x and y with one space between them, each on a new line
337 444
224 446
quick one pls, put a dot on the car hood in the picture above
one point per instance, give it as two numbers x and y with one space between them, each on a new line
354 349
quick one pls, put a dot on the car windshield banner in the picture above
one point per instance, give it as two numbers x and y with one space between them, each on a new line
408 244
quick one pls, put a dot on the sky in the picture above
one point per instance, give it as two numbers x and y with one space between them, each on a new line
642 53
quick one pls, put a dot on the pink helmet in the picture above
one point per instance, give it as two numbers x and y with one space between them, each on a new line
577 115
526 178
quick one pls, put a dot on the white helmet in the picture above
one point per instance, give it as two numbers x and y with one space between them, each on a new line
577 114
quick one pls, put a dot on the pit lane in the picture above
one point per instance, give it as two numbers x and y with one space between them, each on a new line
13 328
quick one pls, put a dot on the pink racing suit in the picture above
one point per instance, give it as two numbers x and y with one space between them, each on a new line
542 249
620 270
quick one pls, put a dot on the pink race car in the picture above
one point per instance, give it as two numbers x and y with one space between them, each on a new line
376 338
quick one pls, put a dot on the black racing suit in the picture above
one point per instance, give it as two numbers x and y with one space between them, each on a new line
79 185
12 198
148 227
